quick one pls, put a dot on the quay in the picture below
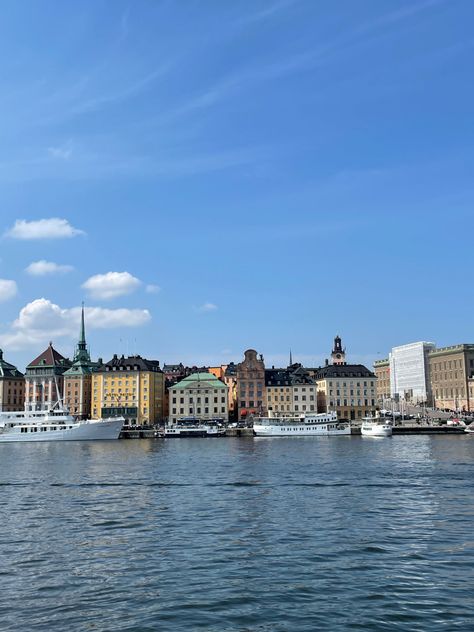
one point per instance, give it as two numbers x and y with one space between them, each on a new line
158 433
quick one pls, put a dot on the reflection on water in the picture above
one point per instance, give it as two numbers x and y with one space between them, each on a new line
280 534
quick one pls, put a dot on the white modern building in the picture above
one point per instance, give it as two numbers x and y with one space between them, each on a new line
409 372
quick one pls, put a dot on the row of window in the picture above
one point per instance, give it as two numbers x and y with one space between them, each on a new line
198 411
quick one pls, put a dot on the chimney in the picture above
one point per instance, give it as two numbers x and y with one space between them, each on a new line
326 362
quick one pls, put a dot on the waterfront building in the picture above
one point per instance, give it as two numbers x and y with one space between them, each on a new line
250 376
409 372
349 389
451 369
133 387
12 387
230 380
290 392
44 381
174 372
78 379
201 396
382 373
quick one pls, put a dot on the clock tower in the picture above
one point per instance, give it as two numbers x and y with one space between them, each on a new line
338 354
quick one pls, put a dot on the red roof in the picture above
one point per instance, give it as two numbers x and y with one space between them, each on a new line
49 357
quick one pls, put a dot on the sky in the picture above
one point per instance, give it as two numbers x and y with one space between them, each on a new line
211 176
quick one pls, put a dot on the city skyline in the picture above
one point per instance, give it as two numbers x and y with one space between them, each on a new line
304 183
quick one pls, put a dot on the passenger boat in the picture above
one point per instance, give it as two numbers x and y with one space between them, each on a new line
375 427
194 427
322 424
55 425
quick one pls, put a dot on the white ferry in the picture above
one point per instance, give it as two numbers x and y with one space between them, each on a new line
193 427
55 425
309 425
375 427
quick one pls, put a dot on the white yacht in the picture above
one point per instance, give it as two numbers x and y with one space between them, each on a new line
193 427
375 427
309 425
55 425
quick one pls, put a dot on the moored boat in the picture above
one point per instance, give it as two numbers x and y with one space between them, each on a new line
55 425
375 427
194 427
323 424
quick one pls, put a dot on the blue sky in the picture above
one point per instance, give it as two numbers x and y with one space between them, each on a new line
267 173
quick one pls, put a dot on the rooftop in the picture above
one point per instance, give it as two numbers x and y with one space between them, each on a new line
8 370
200 379
342 370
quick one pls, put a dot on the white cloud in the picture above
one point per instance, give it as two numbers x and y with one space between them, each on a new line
43 268
62 153
8 289
111 285
41 321
207 307
52 228
152 289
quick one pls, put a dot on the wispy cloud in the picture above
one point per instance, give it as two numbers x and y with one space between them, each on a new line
61 152
269 11
45 268
206 307
99 102
151 288
52 228
8 289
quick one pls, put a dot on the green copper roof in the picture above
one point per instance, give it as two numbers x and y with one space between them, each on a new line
207 380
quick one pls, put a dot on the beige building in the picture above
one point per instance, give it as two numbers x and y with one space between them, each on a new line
450 371
132 387
349 389
250 377
290 392
382 373
12 387
200 396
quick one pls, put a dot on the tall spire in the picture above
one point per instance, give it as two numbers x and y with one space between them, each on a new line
82 335
291 358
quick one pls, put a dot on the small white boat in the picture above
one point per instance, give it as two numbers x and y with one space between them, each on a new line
309 425
56 425
470 428
375 427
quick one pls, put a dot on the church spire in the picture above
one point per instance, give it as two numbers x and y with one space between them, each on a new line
82 346
291 359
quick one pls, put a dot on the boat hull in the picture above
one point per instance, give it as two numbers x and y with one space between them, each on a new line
376 432
101 430
298 431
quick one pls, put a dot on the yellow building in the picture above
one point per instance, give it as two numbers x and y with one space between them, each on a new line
132 387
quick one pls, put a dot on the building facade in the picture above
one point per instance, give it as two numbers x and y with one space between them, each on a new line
250 376
349 389
290 392
451 371
382 373
200 395
132 387
409 372
78 379
44 380
12 387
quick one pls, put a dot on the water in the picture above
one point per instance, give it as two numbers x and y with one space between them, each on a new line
240 535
